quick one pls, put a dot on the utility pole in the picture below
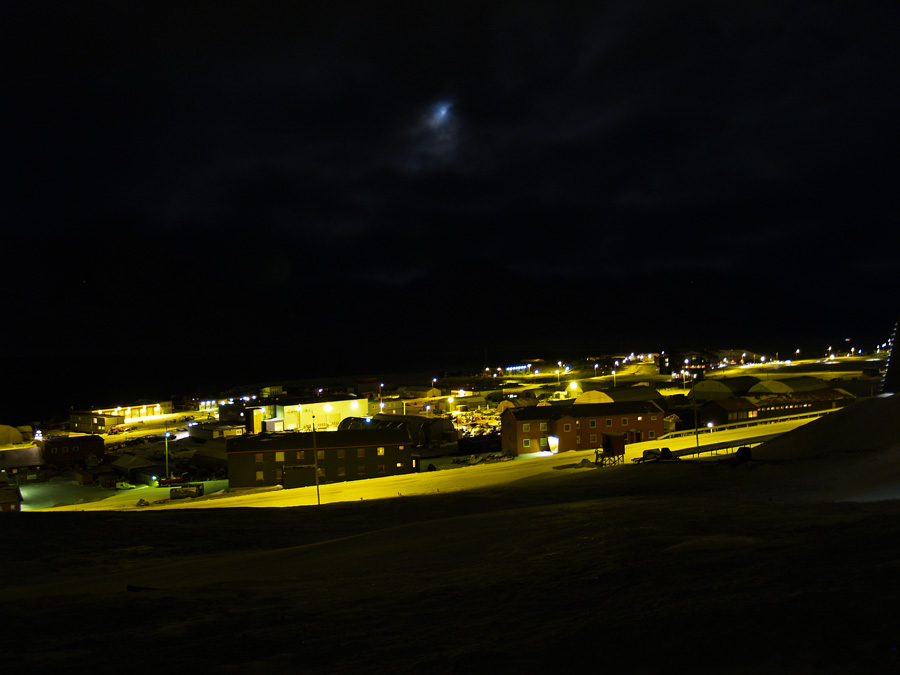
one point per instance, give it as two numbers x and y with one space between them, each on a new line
316 462
694 396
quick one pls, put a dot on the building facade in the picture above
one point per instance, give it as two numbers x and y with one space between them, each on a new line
296 413
578 427
69 450
291 459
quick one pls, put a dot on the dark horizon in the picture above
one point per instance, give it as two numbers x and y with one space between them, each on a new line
38 390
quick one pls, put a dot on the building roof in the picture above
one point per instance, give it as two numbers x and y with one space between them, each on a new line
800 397
15 458
323 440
732 404
724 387
788 385
584 410
129 461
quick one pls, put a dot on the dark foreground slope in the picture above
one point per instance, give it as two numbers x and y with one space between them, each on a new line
711 568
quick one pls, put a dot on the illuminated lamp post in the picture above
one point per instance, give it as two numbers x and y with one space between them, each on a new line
167 449
327 408
595 369
557 377
450 406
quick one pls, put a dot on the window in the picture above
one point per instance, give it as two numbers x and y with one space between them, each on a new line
54 450
399 447
360 452
361 470
279 456
340 453
653 418
526 443
593 438
381 469
624 421
258 457
578 439
65 448
544 442
526 427
652 434
543 426
608 422
259 476
399 465
320 454
342 471
567 427
380 451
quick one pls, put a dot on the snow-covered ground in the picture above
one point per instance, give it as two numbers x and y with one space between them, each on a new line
785 564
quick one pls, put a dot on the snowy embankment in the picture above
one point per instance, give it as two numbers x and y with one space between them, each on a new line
539 567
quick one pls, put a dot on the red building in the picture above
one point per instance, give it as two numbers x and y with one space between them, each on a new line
68 450
578 427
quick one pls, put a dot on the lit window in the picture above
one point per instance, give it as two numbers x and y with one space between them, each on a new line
544 442
320 454
399 465
543 426
258 456
380 451
279 456
259 476
526 427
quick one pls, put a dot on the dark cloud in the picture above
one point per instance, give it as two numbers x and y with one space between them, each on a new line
633 160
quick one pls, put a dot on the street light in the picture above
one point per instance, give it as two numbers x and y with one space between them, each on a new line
167 449
557 377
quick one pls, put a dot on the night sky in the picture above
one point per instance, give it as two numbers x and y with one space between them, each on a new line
290 191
